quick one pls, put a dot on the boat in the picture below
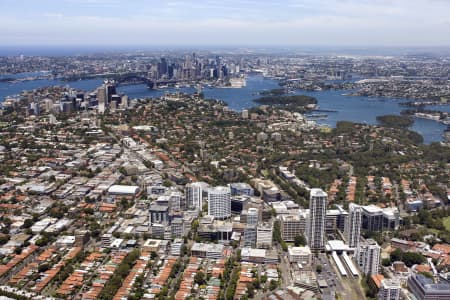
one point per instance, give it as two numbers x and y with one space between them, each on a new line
317 116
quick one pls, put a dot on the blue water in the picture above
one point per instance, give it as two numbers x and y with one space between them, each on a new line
350 108
366 109
237 99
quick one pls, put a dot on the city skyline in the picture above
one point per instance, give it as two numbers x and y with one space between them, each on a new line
322 23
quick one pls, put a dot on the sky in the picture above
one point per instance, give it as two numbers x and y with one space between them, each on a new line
376 23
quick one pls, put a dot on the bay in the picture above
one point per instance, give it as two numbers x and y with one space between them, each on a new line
350 108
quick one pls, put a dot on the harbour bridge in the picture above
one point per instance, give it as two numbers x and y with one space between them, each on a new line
142 79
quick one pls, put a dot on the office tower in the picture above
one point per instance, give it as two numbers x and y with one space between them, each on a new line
252 216
124 102
389 290
241 188
110 88
159 214
353 226
162 67
292 226
194 198
176 201
102 99
378 219
316 220
219 202
250 229
264 235
250 236
368 257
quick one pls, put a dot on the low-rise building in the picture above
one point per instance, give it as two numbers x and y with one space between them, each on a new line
424 288
211 251
300 255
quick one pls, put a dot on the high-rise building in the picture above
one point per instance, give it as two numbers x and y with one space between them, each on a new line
264 235
241 188
316 221
368 257
194 198
353 226
159 214
250 229
110 88
250 236
389 290
252 216
102 99
162 67
291 226
219 202
378 219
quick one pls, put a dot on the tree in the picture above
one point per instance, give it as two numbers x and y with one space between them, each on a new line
4 238
413 258
264 278
299 240
44 240
43 267
273 285
28 223
199 278
319 268
250 290
386 262
396 255
427 274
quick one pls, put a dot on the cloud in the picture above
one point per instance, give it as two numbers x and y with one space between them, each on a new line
245 22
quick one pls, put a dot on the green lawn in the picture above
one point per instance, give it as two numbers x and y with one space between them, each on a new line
446 222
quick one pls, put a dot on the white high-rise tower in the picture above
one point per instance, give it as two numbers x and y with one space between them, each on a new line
353 226
369 257
194 198
316 221
219 202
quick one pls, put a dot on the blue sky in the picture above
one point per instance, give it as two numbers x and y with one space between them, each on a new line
227 22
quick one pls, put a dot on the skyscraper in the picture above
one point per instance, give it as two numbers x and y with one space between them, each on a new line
252 216
162 67
194 197
353 225
110 87
102 99
219 202
250 229
316 221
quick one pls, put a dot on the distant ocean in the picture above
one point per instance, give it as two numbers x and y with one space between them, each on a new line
307 50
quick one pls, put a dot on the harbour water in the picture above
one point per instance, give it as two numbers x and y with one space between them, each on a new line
349 108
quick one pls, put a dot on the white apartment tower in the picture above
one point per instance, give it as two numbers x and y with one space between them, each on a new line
219 202
353 226
194 198
389 290
368 257
316 221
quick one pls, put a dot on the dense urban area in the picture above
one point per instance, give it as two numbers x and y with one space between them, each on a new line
106 196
